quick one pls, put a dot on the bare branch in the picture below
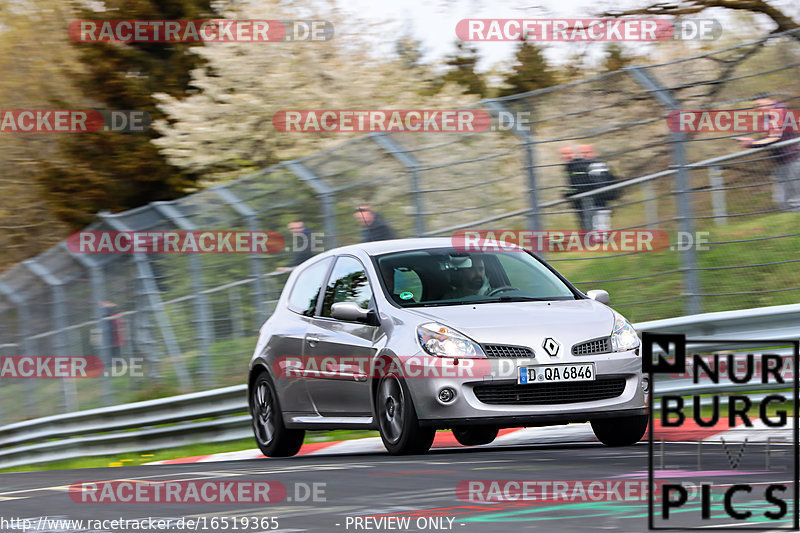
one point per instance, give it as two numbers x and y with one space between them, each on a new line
690 7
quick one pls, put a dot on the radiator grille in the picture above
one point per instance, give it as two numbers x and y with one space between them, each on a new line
550 393
502 350
592 347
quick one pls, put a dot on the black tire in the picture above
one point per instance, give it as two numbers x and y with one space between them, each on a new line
397 419
272 436
475 435
623 431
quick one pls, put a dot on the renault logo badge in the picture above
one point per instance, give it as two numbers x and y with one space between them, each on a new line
551 346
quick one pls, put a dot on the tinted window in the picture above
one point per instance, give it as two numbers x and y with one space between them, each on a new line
305 293
445 276
348 283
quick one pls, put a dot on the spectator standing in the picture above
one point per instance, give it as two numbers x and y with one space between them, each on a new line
373 225
301 242
577 171
112 330
786 176
599 175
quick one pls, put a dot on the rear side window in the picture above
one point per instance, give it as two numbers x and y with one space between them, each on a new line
305 293
348 283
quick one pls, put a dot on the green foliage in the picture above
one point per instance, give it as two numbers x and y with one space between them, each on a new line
462 70
530 72
615 58
117 171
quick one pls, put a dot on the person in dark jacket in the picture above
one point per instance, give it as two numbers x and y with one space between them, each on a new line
599 175
786 176
373 226
577 170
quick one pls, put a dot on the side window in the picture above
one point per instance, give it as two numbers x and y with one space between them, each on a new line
305 292
348 283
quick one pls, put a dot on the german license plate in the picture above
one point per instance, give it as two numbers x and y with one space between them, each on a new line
555 373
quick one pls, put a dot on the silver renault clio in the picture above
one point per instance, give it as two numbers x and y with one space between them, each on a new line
413 335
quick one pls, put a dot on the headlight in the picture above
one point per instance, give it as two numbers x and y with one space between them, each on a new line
441 341
623 337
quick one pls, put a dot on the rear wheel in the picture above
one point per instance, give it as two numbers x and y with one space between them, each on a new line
475 435
623 431
397 419
274 439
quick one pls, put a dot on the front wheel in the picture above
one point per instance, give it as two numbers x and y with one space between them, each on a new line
397 419
622 431
475 436
274 439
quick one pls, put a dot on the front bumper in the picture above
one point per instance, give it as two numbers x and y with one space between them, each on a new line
467 409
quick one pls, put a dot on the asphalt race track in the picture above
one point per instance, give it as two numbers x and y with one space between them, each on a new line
422 489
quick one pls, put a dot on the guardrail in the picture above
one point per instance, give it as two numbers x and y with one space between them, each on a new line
221 414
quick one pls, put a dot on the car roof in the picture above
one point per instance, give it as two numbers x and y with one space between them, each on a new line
395 245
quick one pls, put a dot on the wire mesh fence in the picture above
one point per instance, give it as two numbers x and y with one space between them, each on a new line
169 323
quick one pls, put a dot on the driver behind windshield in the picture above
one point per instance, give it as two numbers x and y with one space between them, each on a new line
468 280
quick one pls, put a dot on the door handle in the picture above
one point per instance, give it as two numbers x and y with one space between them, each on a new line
312 340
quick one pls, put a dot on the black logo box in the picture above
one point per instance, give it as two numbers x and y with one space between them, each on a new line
678 342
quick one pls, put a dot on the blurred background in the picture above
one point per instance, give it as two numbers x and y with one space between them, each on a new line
213 160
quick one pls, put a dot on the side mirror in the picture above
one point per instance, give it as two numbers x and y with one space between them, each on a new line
350 311
599 295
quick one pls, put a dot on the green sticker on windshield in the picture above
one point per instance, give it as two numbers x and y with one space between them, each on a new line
406 295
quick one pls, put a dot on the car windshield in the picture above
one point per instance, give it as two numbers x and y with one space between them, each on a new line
442 276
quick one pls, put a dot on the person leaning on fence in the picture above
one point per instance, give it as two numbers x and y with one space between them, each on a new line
786 176
110 332
373 226
301 245
600 175
301 242
578 178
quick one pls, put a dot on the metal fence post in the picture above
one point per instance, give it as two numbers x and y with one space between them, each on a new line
691 284
59 316
406 159
717 196
97 282
255 263
202 313
325 194
155 305
650 204
526 135
23 340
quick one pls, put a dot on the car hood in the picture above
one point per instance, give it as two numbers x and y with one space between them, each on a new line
526 323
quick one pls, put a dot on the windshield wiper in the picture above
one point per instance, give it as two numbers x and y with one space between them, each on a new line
435 304
513 299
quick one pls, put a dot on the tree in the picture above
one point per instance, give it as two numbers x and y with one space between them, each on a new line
462 70
783 22
39 67
615 58
409 50
117 171
530 72
224 128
